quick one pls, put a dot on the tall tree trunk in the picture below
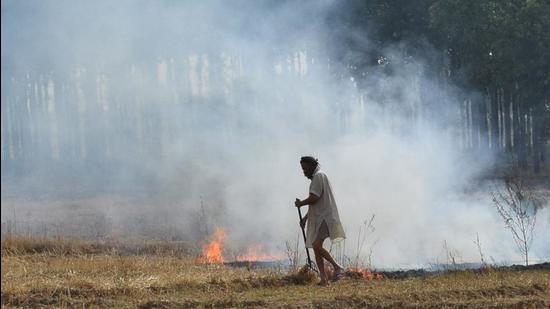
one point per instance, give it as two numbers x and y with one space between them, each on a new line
465 124
29 109
545 129
7 121
61 119
538 138
502 119
470 124
41 113
520 144
509 112
52 116
80 101
3 121
483 122
17 120
493 117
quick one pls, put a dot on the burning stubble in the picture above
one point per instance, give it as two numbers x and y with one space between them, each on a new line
214 251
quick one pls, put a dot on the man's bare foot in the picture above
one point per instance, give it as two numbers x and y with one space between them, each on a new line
338 274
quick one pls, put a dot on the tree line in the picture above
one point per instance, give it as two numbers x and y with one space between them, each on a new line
495 53
494 56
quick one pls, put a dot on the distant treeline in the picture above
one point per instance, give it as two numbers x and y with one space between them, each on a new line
495 53
97 120
84 113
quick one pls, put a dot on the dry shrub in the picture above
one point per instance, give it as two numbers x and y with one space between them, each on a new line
301 277
154 247
485 269
16 245
518 204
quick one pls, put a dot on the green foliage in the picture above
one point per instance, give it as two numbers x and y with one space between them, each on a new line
487 46
487 42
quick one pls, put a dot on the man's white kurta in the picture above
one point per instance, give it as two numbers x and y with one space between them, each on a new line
323 210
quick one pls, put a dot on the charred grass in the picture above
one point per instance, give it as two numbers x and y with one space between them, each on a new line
50 278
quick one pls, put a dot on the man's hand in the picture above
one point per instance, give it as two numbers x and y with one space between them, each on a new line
312 199
303 222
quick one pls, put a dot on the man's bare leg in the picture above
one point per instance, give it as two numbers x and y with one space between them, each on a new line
324 253
319 259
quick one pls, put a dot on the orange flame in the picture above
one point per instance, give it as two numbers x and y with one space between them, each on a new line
258 253
212 251
365 273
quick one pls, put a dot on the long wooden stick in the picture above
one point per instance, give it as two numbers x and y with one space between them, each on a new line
305 243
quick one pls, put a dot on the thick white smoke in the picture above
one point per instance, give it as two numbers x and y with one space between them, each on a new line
257 90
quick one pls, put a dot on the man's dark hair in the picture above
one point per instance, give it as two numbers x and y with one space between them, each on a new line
309 160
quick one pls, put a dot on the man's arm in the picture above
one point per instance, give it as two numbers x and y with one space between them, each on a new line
312 199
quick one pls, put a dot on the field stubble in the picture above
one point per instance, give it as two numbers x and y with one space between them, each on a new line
160 279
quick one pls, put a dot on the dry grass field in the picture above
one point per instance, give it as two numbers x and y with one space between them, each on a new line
60 273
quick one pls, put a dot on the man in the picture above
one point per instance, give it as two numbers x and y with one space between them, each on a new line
322 217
